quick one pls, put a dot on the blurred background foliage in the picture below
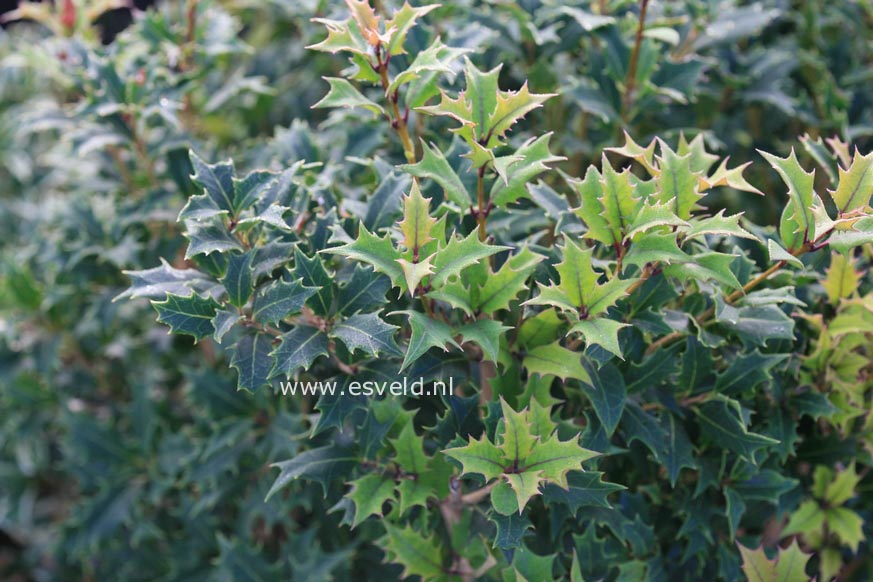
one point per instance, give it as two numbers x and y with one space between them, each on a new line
126 453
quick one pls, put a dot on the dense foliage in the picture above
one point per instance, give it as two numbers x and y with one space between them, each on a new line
594 220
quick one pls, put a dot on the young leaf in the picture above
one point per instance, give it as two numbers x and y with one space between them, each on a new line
458 254
855 184
789 565
417 223
426 333
433 165
555 360
372 250
503 286
344 94
841 278
368 494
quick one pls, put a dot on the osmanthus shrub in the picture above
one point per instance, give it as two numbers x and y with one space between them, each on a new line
647 387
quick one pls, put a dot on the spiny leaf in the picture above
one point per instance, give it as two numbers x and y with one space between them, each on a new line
278 300
720 418
414 272
800 190
298 349
191 315
716 225
458 254
677 184
401 22
367 332
789 565
368 494
631 149
216 180
503 286
417 223
602 332
512 106
841 279
420 555
426 333
342 36
855 184
433 165
486 334
578 291
372 250
732 178
534 157
555 360
437 57
324 464
344 94
251 358
238 278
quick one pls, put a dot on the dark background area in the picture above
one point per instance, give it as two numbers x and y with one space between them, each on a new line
111 23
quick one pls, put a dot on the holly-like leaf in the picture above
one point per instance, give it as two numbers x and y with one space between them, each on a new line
364 291
485 112
800 191
730 177
555 360
583 490
426 333
251 358
344 94
216 180
324 465
534 157
401 22
841 279
158 282
720 418
855 184
677 183
437 58
433 165
716 225
458 254
278 300
486 334
502 287
420 555
238 278
602 332
372 250
578 290
847 525
298 349
607 393
417 224
311 272
189 315
529 454
789 565
368 333
369 494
